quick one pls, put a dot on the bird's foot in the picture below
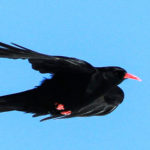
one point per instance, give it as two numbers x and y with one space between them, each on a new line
61 107
66 112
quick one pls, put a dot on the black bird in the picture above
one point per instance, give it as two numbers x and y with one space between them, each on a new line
76 89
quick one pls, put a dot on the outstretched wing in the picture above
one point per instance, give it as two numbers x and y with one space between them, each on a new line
102 105
44 63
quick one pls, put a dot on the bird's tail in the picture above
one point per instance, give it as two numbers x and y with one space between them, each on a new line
8 103
5 106
28 101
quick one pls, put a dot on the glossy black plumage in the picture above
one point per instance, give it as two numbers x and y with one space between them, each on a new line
82 89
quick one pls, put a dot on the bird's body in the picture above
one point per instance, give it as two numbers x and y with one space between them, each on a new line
76 89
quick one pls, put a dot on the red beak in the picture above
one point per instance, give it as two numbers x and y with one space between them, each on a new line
130 76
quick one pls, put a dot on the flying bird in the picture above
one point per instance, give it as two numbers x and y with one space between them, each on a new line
76 89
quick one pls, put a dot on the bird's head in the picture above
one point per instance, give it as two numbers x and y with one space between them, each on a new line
116 74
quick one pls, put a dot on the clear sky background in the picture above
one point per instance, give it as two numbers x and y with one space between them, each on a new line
102 32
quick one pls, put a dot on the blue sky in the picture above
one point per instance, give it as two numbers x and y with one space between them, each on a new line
102 32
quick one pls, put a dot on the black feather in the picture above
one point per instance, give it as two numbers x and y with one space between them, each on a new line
83 90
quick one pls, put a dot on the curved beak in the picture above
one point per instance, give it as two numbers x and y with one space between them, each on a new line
130 76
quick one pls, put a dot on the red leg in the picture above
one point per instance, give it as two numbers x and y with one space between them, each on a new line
60 107
66 112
